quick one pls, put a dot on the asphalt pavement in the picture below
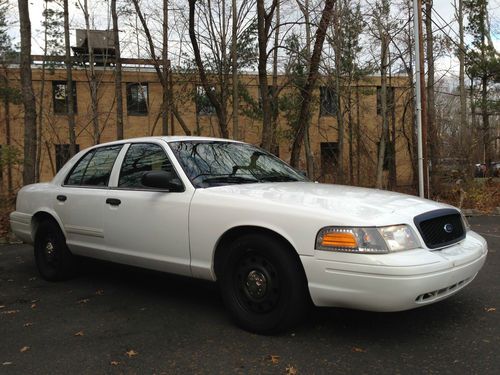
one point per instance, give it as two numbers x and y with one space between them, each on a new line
113 319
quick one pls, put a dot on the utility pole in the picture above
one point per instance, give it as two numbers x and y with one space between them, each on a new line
420 99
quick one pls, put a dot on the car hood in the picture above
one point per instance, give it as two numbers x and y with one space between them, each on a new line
355 205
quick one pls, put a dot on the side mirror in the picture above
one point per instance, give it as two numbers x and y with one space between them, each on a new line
162 180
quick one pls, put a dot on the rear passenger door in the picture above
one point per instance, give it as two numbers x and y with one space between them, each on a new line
144 226
79 202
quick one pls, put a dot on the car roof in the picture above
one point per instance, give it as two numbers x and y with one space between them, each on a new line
168 139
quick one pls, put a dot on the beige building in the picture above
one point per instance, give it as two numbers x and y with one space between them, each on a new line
142 94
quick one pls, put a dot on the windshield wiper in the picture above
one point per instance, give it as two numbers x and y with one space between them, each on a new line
230 180
277 178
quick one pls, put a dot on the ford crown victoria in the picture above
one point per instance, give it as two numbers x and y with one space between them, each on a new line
230 212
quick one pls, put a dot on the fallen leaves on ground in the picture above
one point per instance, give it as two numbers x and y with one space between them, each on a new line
79 333
131 353
358 350
33 305
114 363
2 306
290 370
27 324
84 300
10 312
273 358
490 309
24 349
99 292
32 278
6 363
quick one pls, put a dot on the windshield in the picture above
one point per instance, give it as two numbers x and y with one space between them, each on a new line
215 163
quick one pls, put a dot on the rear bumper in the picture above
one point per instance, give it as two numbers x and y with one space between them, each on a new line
20 224
381 283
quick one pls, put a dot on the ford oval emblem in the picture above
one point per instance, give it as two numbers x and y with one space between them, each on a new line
448 228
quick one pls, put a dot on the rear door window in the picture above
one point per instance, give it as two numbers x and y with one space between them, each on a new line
94 169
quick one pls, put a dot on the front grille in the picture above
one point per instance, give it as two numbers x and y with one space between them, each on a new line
440 228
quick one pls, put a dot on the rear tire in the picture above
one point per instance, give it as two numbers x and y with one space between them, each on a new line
52 256
263 284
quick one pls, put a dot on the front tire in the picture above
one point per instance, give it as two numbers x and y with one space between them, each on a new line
52 256
263 284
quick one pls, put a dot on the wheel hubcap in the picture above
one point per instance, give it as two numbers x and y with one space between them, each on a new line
256 284
49 248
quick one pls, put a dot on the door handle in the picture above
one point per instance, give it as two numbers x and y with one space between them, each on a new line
113 201
61 198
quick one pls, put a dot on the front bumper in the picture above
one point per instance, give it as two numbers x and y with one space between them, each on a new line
393 282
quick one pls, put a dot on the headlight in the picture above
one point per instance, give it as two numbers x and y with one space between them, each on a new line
380 240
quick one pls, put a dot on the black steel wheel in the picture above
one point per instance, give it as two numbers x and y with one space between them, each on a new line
52 256
263 284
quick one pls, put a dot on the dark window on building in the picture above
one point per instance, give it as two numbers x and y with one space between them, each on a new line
390 99
203 105
95 167
329 153
141 158
328 101
389 154
62 154
137 99
60 97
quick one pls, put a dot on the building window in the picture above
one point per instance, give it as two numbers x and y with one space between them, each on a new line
329 152
390 99
137 99
60 97
62 154
328 101
204 106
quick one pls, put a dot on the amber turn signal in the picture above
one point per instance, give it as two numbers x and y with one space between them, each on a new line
336 239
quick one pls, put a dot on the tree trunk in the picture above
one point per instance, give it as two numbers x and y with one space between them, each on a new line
165 104
304 8
118 73
461 78
234 60
433 139
27 95
275 90
8 141
340 113
383 109
219 107
263 26
305 108
69 82
94 85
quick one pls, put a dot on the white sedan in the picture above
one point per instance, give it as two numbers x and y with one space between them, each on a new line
230 212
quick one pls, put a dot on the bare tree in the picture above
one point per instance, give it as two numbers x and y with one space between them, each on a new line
28 95
304 116
219 105
118 73
157 66
69 82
